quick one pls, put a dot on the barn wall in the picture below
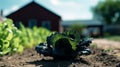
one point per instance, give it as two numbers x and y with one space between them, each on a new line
34 11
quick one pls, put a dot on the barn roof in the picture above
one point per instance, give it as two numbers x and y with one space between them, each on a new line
83 22
36 5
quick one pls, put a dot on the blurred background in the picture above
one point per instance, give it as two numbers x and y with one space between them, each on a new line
96 18
32 21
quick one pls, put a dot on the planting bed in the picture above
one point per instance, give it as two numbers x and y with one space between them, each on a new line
29 58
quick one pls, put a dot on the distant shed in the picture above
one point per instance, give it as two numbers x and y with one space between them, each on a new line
34 14
93 26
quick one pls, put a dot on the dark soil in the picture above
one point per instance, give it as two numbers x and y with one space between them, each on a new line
98 58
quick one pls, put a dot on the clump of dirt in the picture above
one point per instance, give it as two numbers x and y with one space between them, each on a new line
102 58
29 58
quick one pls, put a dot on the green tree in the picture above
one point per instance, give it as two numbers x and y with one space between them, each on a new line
108 11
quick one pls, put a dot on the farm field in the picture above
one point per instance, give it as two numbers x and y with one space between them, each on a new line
80 33
104 54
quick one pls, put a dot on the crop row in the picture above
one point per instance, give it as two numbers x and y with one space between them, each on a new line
14 40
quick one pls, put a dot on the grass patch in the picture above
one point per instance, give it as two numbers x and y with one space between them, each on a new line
114 38
108 50
93 45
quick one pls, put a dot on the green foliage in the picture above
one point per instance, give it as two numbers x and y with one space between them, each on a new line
93 45
108 11
107 34
108 50
114 38
32 37
16 40
77 27
57 37
72 38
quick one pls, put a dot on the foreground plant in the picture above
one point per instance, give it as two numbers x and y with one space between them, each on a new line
65 45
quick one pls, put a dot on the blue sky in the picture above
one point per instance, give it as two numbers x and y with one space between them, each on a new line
67 9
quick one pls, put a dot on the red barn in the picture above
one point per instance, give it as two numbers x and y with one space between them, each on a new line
34 14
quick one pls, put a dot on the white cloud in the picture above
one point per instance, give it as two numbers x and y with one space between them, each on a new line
94 2
72 4
14 8
70 17
62 3
76 15
55 2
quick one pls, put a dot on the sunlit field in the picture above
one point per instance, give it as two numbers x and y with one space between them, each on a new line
22 42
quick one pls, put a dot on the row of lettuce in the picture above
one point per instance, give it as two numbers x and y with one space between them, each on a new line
14 40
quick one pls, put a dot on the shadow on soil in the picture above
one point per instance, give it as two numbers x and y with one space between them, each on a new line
58 63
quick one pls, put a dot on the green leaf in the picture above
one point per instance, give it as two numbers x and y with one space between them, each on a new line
5 51
56 37
20 49
4 44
